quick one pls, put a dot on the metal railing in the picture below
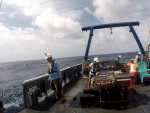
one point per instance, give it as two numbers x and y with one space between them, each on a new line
38 89
1 93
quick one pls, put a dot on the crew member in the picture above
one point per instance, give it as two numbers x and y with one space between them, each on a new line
94 67
138 57
55 78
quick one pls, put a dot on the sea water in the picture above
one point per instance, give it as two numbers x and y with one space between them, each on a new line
12 75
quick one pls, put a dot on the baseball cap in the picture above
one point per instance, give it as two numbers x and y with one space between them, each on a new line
48 55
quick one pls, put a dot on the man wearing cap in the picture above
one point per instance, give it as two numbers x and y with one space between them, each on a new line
55 78
138 57
118 61
94 67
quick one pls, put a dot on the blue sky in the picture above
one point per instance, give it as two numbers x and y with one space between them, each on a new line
29 28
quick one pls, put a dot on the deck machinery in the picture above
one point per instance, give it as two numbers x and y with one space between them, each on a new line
109 88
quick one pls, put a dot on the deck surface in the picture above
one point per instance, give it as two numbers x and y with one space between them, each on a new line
139 102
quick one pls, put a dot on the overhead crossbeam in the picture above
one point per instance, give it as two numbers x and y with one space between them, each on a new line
123 24
111 25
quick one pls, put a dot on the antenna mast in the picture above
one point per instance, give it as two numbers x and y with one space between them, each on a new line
1 3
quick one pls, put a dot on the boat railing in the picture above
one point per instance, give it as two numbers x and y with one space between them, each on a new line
37 89
1 101
1 94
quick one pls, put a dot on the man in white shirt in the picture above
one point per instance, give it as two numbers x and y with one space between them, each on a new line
138 57
94 67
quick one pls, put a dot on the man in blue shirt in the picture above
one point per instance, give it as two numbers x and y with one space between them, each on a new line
55 78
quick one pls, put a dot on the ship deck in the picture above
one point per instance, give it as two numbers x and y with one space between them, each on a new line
138 96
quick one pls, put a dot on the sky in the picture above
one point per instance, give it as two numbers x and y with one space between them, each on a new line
31 28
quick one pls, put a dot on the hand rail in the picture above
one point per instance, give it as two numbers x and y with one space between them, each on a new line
1 93
37 89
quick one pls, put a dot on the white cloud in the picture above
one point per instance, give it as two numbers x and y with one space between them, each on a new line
28 7
110 11
120 10
54 23
88 10
17 43
55 29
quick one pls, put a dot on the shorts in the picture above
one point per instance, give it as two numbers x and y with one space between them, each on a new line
91 74
55 85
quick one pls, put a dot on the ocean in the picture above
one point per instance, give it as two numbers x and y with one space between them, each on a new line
12 75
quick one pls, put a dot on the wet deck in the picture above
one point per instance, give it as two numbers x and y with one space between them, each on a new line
139 102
